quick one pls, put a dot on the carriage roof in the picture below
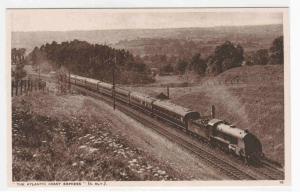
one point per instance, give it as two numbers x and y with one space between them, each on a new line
77 77
105 85
182 111
92 80
142 97
121 89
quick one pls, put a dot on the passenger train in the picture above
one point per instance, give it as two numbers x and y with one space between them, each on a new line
215 131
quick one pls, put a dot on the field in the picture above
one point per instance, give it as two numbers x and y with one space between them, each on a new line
255 103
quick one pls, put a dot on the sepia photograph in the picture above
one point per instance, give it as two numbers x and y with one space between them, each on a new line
163 96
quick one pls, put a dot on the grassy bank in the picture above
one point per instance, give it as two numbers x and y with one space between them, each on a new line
60 138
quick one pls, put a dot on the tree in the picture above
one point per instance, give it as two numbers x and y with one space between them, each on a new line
167 68
226 56
276 51
139 67
197 64
92 60
181 66
18 60
260 57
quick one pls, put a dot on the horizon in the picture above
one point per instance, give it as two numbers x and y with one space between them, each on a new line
125 19
219 26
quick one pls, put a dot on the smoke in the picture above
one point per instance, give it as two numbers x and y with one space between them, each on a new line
45 66
222 95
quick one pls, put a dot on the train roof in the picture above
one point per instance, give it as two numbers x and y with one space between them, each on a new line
92 80
182 111
77 77
120 88
100 83
142 96
105 85
228 129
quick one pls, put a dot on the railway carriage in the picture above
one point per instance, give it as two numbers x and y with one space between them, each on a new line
77 80
172 112
142 101
105 88
92 84
122 94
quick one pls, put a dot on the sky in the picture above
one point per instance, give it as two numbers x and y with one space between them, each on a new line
102 19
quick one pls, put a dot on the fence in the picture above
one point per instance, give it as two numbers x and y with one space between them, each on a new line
19 87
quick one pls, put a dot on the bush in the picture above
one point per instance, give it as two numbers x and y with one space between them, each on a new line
260 57
277 52
226 56
167 69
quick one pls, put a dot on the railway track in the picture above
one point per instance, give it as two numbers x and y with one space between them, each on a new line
270 172
232 169
207 157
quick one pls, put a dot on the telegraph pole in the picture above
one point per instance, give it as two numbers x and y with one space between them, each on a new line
69 81
113 61
114 65
39 70
168 92
39 75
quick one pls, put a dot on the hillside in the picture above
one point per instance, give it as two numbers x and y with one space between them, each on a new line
248 35
256 103
252 74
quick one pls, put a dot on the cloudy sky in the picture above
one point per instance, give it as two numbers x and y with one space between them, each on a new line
99 19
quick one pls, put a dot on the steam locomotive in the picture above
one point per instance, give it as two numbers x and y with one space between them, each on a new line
215 131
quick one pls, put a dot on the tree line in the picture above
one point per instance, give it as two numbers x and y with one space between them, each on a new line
273 55
18 62
96 61
92 60
227 56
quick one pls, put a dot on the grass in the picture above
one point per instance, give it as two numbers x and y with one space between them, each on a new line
61 138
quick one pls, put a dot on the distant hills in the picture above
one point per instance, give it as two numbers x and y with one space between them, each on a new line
252 35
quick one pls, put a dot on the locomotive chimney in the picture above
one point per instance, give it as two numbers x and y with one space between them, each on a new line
213 111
